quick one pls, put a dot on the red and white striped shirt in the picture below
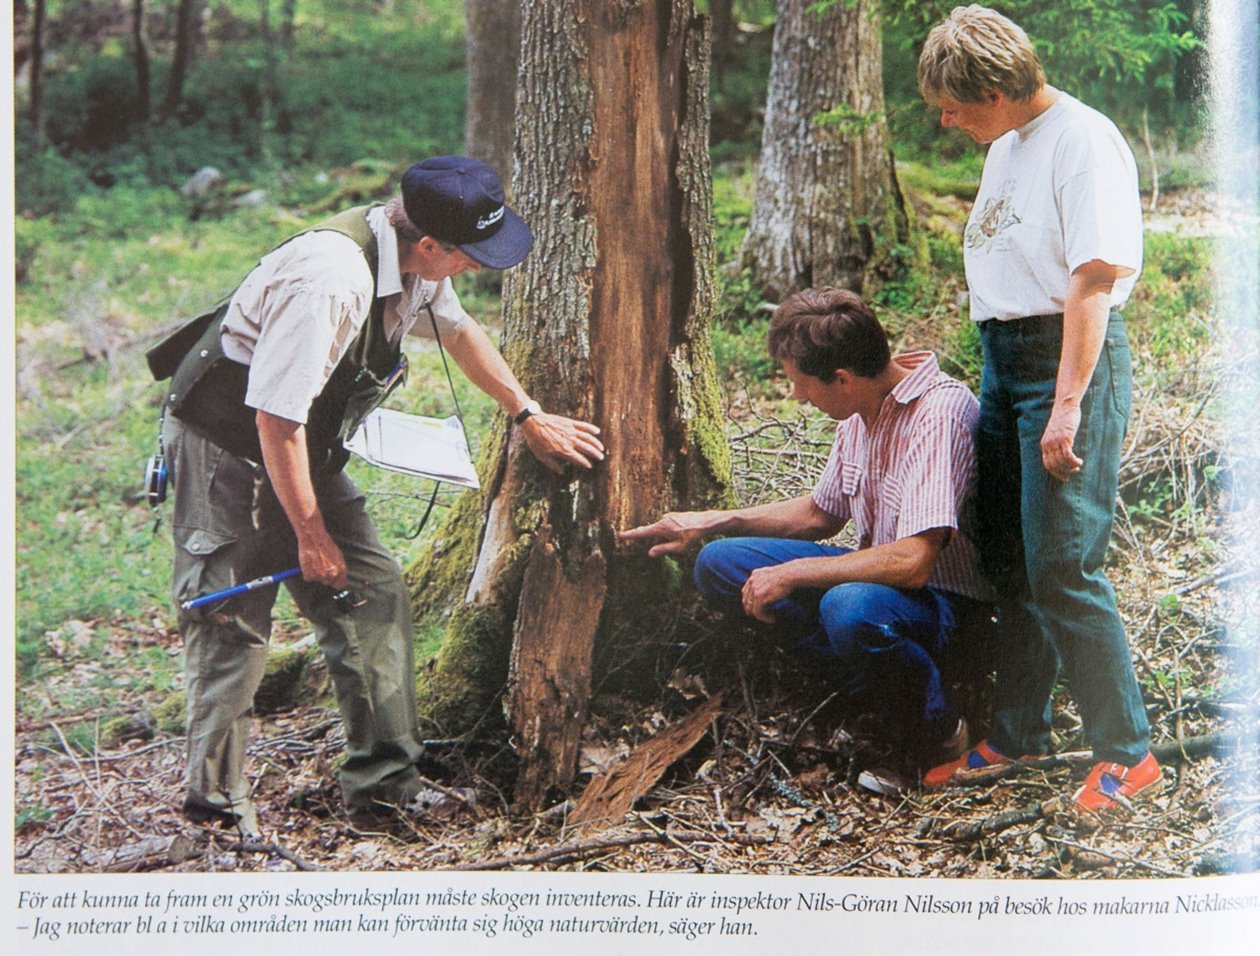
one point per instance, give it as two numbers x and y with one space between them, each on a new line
915 471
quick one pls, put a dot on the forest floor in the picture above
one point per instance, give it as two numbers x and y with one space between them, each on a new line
784 779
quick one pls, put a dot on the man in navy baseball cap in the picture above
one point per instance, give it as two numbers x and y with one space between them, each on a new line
265 390
460 201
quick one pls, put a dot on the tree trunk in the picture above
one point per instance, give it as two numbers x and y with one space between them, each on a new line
288 25
140 56
828 209
606 320
269 92
188 28
37 72
493 32
722 14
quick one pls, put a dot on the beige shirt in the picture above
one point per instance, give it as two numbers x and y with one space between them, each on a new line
297 312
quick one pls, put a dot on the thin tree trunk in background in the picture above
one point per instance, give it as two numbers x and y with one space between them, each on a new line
493 34
270 81
606 320
37 73
288 24
828 210
188 29
722 13
140 55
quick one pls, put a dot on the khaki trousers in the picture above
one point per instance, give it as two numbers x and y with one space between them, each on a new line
229 528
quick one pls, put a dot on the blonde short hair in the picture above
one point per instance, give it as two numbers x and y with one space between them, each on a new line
976 50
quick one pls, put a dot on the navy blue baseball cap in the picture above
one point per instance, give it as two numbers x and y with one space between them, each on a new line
459 200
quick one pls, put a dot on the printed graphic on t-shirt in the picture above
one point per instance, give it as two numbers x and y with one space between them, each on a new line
997 216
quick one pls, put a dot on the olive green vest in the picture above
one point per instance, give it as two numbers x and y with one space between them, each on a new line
207 389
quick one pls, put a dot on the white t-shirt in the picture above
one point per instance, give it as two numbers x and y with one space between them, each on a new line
295 315
1058 192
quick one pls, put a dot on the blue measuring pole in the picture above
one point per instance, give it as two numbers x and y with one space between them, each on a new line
239 589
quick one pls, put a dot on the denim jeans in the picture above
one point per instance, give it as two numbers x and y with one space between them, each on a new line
1043 542
886 643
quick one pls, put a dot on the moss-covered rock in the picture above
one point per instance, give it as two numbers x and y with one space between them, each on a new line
171 714
458 690
283 685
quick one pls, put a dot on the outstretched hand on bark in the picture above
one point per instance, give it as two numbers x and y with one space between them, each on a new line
557 441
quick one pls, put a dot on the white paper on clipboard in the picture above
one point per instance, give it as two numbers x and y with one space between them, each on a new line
412 445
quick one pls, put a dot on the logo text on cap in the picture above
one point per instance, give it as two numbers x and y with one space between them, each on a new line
487 221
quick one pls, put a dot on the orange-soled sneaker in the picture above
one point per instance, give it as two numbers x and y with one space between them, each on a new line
956 772
1109 784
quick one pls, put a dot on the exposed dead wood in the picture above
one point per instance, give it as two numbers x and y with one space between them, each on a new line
152 853
611 795
550 678
163 852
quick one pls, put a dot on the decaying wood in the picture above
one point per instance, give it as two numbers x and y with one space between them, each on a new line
611 795
600 326
602 329
550 685
153 853
162 852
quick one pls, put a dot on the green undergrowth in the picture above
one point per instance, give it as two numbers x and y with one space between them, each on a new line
103 284
102 273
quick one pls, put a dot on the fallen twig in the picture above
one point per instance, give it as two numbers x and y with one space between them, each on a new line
1115 857
975 829
258 846
565 851
1164 752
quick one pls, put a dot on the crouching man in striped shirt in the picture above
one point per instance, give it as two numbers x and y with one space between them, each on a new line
902 470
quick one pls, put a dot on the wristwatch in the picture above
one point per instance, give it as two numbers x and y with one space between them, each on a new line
531 408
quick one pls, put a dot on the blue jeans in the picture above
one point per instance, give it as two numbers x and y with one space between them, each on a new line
1043 542
887 643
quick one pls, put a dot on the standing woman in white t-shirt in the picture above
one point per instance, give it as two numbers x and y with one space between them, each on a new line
1052 249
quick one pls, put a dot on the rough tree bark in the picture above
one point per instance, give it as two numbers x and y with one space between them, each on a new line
828 210
606 320
493 32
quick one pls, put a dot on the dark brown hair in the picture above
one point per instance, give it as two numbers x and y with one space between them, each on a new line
408 232
822 330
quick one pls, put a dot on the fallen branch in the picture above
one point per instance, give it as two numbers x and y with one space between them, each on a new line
153 853
967 830
258 846
610 796
1080 848
562 853
1165 752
